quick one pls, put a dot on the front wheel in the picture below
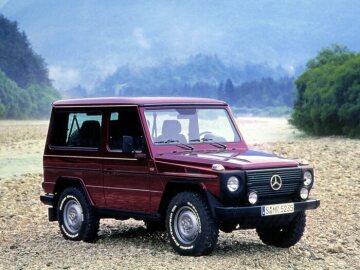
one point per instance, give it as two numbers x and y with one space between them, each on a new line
191 228
77 219
284 236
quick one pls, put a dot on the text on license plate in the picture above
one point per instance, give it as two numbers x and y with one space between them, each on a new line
277 209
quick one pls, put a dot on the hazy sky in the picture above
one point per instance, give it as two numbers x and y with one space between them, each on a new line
85 40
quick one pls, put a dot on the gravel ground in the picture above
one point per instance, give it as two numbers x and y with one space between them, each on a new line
331 240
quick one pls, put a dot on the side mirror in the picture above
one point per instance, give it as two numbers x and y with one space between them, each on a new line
128 144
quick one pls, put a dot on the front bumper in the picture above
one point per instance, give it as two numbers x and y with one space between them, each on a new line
255 211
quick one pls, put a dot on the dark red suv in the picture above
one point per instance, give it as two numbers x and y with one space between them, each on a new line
176 163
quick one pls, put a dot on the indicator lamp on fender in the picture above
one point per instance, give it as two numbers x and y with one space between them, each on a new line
218 167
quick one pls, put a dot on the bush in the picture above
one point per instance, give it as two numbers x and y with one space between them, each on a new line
328 94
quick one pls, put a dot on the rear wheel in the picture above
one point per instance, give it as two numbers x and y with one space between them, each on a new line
284 236
191 228
77 219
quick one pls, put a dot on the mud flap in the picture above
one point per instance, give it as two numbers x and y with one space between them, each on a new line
52 214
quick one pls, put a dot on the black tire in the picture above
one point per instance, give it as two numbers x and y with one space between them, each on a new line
80 222
191 211
284 236
154 226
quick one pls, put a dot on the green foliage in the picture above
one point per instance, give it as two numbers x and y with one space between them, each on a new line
18 103
17 59
328 94
11 98
25 89
41 98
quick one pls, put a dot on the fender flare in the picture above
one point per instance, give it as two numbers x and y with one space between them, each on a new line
71 179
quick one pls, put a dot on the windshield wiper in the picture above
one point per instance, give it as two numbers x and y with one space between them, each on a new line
167 141
221 145
216 144
178 144
185 146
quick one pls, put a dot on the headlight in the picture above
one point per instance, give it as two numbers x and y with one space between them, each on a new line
232 183
304 193
308 178
253 197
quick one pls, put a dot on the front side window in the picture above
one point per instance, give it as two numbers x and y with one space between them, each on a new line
76 129
193 125
125 132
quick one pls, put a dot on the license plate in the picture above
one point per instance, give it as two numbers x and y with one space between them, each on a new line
277 209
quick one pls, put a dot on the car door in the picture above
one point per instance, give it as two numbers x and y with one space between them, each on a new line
125 164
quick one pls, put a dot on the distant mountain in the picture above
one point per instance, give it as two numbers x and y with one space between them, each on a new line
85 41
243 87
187 78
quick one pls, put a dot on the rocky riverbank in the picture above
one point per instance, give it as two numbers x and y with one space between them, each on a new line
331 240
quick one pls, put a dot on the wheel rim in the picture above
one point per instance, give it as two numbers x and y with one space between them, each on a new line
186 225
73 216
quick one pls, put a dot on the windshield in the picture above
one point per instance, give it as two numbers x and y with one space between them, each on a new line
190 126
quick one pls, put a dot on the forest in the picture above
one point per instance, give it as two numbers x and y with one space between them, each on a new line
25 88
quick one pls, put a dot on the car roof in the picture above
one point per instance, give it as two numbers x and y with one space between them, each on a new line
137 101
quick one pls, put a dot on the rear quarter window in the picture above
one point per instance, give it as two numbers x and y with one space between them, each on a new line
76 129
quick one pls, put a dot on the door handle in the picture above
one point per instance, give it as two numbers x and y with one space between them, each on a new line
140 155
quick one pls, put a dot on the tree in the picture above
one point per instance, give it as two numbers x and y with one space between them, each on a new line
25 89
336 54
17 59
328 94
13 100
229 91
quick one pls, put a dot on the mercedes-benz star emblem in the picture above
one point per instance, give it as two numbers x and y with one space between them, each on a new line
275 182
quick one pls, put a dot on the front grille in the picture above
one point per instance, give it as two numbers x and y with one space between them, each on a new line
259 181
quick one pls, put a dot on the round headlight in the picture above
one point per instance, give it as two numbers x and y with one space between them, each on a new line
308 178
304 193
253 197
233 183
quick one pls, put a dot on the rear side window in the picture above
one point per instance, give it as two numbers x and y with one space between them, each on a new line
76 129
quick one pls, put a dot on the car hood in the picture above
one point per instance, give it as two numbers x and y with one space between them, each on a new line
243 160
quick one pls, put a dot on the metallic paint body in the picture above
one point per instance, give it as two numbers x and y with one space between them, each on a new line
116 180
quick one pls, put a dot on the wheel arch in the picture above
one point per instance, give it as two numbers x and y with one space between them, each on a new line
64 182
174 187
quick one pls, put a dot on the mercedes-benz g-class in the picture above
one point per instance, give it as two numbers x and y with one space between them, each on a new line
176 163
